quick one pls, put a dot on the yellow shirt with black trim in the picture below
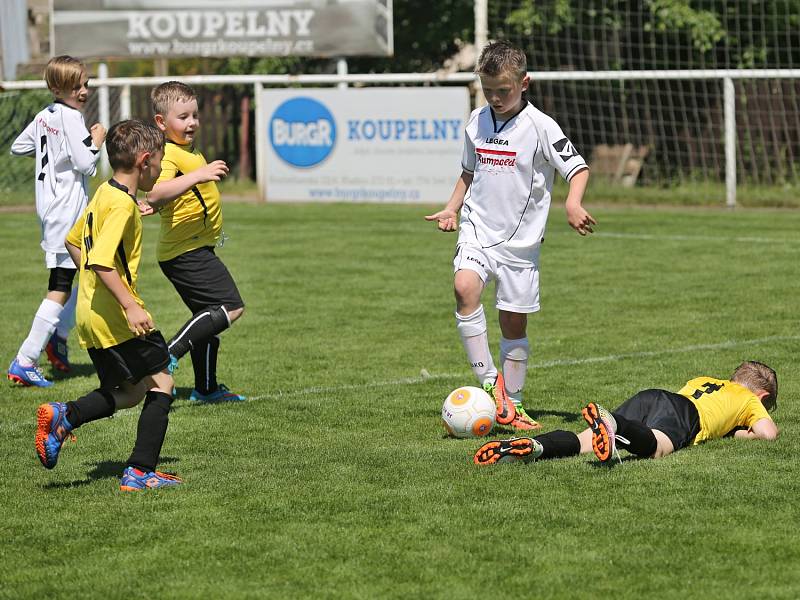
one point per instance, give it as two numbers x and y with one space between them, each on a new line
194 219
722 405
109 234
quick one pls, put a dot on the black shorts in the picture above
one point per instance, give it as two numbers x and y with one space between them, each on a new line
61 279
202 281
130 361
672 414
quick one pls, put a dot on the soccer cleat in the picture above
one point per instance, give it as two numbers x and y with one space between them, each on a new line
222 394
523 421
510 450
134 480
56 350
604 428
28 376
52 428
505 407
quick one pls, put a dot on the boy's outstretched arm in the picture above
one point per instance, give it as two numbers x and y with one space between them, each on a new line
447 218
139 321
577 216
763 429
168 190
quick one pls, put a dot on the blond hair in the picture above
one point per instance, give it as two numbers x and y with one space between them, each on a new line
756 376
502 56
165 95
127 139
63 74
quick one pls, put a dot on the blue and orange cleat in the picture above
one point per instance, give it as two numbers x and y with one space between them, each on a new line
52 428
28 376
135 480
221 394
56 350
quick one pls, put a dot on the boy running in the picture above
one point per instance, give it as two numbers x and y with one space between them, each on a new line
66 155
191 226
130 356
655 423
511 154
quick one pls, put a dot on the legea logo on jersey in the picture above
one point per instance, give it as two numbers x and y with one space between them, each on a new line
302 132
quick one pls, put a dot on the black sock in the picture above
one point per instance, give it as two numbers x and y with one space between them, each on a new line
558 444
198 329
639 439
94 405
204 362
151 430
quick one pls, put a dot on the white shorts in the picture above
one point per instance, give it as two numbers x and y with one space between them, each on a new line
58 259
516 288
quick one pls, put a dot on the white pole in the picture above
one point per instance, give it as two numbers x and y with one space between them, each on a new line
730 142
125 103
104 116
481 38
341 69
261 143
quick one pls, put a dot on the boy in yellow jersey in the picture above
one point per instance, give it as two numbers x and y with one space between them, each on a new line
655 423
187 198
130 356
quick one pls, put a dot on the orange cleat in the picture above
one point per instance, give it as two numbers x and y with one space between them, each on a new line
505 407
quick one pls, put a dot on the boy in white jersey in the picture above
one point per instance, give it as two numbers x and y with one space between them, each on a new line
66 155
511 154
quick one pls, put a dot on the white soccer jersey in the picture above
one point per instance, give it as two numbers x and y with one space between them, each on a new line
65 158
513 163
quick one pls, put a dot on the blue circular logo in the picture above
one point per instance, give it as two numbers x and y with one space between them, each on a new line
302 132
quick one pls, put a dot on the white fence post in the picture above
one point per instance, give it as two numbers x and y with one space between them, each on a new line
125 103
481 38
261 142
341 69
103 109
730 142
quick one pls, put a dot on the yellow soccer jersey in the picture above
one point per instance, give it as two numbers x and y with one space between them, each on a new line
109 234
194 219
722 406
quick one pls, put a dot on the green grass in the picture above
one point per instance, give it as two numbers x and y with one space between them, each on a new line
335 479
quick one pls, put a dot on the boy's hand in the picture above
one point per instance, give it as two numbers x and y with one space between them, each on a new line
580 220
447 219
213 171
139 321
98 133
144 208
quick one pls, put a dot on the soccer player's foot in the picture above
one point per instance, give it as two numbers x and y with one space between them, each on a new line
134 480
221 394
52 428
505 406
604 428
31 376
56 350
514 449
523 420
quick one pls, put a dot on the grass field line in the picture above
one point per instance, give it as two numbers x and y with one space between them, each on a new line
425 376
694 238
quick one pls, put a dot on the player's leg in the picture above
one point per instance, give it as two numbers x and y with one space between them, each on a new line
24 369
654 423
56 348
553 444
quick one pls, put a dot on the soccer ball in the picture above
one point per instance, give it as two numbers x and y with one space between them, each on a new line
468 412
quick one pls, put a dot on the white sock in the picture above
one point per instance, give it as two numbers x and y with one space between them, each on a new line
44 324
514 359
66 320
472 329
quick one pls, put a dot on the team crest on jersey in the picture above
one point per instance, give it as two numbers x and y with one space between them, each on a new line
565 149
496 141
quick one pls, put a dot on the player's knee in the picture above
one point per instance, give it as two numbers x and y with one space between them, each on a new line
467 291
234 314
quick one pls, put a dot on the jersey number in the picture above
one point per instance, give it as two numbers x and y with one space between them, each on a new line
709 388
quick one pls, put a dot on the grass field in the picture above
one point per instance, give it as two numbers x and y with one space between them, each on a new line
335 479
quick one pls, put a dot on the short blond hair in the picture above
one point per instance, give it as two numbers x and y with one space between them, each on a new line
127 139
165 95
63 74
501 56
757 376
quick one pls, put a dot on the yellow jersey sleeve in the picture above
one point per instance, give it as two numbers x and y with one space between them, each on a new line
75 235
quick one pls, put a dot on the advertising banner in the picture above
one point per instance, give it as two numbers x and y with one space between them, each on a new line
182 28
361 145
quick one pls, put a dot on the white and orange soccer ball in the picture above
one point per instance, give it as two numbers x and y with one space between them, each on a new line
468 412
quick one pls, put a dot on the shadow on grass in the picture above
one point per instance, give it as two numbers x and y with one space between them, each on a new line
76 370
107 469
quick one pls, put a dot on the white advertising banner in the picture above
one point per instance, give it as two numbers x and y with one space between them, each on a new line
361 145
